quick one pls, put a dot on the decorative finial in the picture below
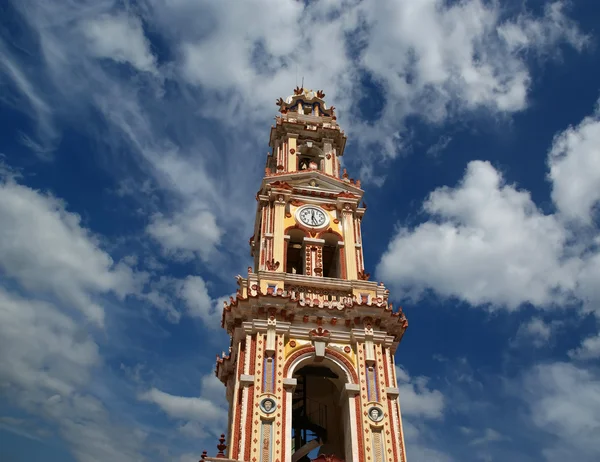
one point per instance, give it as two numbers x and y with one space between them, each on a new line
279 102
364 276
203 456
298 90
345 175
221 447
320 94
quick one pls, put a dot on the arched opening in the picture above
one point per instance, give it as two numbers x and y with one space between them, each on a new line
294 261
310 157
319 418
331 256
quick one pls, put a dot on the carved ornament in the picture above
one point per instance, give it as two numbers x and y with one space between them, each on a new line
363 276
272 265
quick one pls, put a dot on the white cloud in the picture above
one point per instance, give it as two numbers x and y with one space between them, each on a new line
565 402
194 293
119 37
186 234
419 445
536 332
419 405
416 399
487 244
198 416
543 33
430 57
35 104
181 407
48 354
574 162
589 349
47 360
435 58
489 436
45 248
188 296
42 350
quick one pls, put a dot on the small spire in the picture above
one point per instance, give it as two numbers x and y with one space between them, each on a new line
221 447
203 456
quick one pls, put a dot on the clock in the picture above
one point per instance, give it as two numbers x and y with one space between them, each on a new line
314 217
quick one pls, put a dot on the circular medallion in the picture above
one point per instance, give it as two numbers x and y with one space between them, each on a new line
375 414
268 405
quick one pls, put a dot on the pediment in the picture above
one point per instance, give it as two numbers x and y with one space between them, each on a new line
308 182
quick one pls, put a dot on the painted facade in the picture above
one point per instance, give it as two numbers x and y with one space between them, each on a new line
310 370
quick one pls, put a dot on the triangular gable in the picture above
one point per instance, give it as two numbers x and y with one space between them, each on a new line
309 180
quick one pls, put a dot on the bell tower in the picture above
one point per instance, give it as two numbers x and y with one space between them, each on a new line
310 370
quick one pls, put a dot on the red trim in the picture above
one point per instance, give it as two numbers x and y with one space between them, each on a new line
284 415
236 420
360 431
393 434
343 263
328 351
330 231
272 218
250 411
250 408
385 363
286 244
286 231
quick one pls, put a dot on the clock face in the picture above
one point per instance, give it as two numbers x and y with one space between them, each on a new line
312 216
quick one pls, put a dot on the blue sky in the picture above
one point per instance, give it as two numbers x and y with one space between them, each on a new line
133 141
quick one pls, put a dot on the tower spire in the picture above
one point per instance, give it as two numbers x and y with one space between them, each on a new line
310 370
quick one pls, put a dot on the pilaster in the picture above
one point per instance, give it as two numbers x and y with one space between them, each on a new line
349 242
329 157
278 237
292 154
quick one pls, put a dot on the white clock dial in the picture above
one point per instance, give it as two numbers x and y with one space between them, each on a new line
313 217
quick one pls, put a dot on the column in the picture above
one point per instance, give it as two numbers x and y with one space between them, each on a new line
329 157
313 258
292 152
349 243
278 239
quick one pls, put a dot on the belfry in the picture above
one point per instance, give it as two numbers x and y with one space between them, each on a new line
310 370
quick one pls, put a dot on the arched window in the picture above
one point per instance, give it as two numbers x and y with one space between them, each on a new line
310 157
294 261
321 410
331 255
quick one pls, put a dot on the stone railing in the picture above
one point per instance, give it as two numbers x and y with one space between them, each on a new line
321 294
